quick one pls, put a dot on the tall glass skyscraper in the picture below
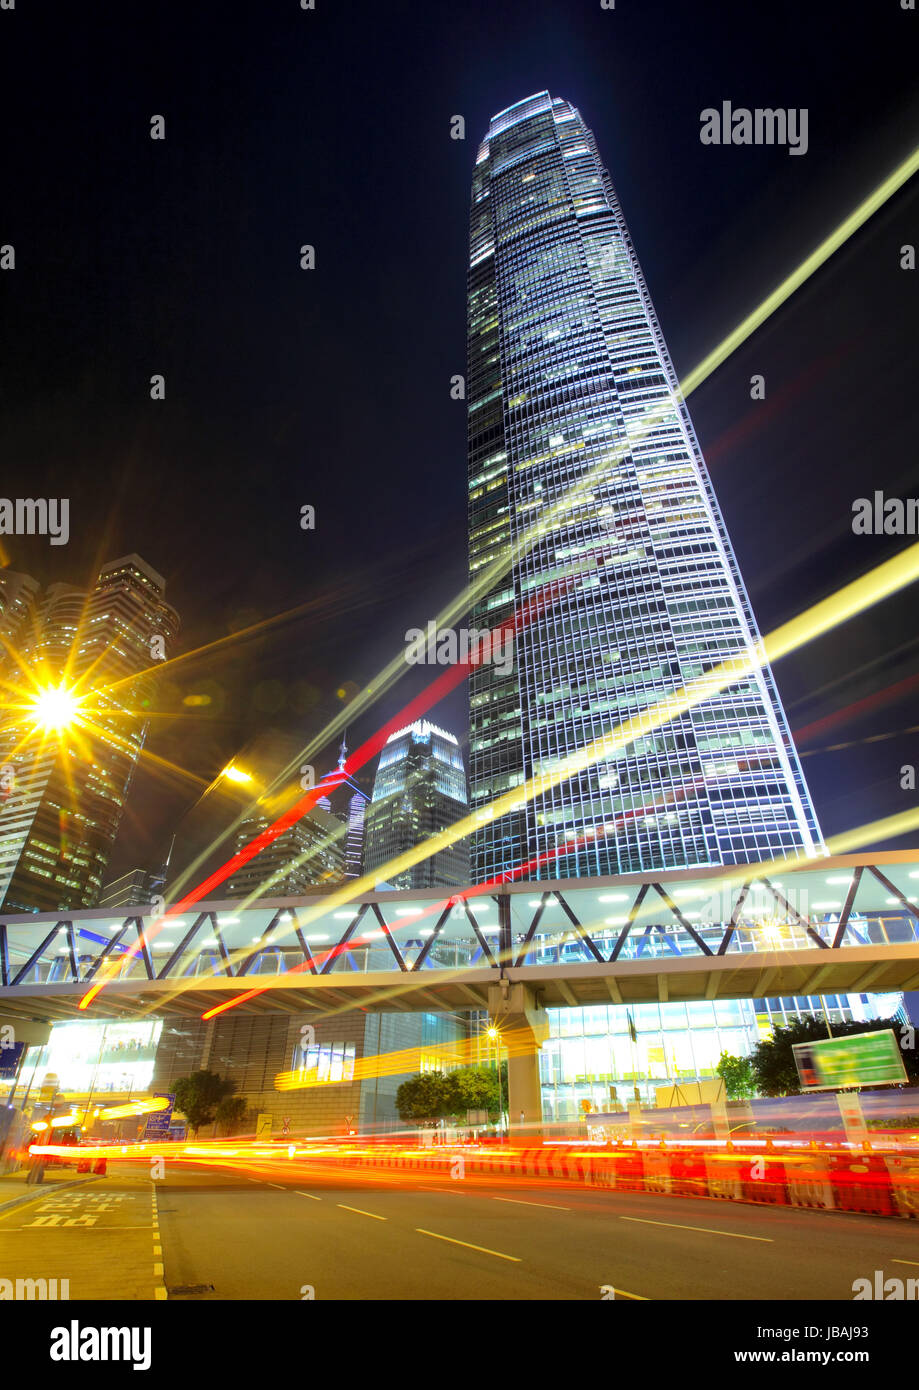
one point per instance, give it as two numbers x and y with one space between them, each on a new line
633 589
59 820
419 790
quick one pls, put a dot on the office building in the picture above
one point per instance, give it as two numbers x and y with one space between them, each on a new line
419 790
583 464
84 663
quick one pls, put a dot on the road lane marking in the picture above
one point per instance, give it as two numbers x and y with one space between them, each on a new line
906 1262
624 1293
518 1202
101 1230
360 1212
307 1194
707 1230
279 1186
468 1245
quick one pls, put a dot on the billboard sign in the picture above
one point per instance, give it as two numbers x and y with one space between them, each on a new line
863 1059
158 1123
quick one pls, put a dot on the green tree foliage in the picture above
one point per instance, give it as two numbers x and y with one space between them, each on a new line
434 1095
738 1076
230 1112
422 1098
198 1095
773 1060
476 1088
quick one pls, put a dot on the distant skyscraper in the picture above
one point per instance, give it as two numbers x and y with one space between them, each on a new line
59 820
419 790
310 853
565 361
136 888
353 801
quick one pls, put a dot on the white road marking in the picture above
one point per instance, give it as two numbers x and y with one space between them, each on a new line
706 1230
518 1202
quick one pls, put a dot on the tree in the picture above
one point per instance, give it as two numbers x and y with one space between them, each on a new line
433 1095
422 1097
738 1075
774 1063
230 1112
198 1095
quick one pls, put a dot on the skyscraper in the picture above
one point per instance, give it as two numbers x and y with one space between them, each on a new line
572 395
70 768
310 853
352 801
419 790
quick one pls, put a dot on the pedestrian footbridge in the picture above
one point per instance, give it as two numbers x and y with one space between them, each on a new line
847 925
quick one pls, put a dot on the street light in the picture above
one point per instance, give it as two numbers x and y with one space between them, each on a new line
56 708
236 774
495 1036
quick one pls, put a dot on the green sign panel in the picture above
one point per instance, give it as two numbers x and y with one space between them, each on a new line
865 1059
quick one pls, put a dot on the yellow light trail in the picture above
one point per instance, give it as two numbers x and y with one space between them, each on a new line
805 270
461 1052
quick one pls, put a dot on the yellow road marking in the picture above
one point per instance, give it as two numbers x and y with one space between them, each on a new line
469 1246
360 1212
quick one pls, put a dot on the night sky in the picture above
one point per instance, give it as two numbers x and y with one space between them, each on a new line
331 387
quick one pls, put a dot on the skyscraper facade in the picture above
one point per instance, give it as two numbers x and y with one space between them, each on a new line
68 784
583 464
419 790
311 853
351 801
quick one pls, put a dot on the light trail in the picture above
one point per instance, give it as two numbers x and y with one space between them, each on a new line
804 271
814 622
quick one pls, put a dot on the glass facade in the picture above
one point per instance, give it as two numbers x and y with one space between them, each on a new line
100 1058
59 819
590 1054
419 790
591 509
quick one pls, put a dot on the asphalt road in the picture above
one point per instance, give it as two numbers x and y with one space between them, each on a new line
272 1232
413 1236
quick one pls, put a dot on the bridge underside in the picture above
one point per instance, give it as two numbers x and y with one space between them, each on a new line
754 975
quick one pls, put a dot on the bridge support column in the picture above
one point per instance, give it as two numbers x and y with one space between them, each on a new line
524 1027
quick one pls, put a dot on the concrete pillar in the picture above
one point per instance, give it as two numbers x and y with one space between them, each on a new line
524 1027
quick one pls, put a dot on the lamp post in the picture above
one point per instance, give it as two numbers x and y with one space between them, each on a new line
495 1036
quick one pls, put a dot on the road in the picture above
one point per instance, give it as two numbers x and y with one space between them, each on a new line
271 1233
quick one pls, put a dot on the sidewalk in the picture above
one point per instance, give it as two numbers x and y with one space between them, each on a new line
86 1237
14 1190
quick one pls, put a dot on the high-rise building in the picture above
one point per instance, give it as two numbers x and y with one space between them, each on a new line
310 853
351 799
419 790
572 395
70 766
136 888
584 468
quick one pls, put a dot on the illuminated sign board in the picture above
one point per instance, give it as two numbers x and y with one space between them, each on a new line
863 1059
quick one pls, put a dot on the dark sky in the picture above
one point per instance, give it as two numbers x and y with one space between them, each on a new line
331 387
